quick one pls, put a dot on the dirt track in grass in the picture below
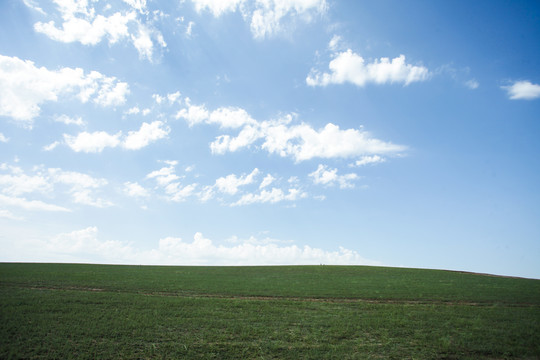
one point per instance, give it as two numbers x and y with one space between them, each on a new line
282 298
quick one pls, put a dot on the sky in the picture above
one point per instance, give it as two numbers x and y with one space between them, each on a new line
270 132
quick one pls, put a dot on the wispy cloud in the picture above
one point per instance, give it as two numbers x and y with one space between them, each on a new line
31 205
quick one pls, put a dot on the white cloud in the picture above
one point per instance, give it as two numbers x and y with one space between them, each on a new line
217 7
86 245
43 181
193 114
81 186
133 111
70 121
3 138
230 183
99 140
173 97
167 179
148 133
202 251
272 196
268 179
350 67
335 43
25 87
32 5
523 90
75 179
6 214
230 117
472 84
225 117
165 175
88 30
139 5
302 142
189 28
80 23
143 42
285 139
365 160
178 192
18 183
135 190
112 93
236 188
84 196
51 146
92 142
31 205
267 17
325 176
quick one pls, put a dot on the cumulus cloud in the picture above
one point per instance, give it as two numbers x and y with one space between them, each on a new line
86 245
15 182
97 141
325 176
203 251
92 142
522 90
82 23
267 17
167 179
24 87
135 190
225 117
217 7
232 189
272 196
70 121
3 138
365 160
268 179
350 67
147 134
284 138
229 184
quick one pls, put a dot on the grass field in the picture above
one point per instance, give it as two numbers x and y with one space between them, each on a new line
64 311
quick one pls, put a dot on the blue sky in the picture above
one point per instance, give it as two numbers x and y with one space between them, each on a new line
202 132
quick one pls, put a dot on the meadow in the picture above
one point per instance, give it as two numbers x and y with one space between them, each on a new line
76 311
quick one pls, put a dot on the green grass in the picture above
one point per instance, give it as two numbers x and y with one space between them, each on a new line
62 311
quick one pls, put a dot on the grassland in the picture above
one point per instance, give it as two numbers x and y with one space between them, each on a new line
64 311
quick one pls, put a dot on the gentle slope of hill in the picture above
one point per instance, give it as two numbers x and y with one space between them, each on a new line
104 311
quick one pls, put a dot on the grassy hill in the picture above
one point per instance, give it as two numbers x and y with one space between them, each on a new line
319 312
